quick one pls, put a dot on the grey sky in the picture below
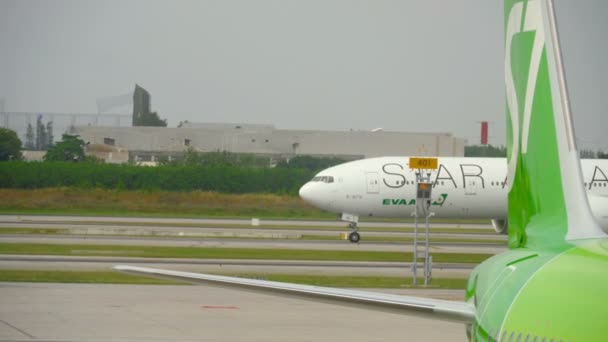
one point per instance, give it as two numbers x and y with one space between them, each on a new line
313 64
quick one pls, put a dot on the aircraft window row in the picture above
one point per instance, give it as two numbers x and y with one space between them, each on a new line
437 183
596 184
434 184
506 337
493 183
324 179
413 182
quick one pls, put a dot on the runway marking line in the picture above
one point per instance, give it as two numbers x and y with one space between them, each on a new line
17 329
220 307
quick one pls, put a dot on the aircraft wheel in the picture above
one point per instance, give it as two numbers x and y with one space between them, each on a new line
354 237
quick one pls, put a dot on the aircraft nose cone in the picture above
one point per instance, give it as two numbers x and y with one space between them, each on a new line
316 196
305 192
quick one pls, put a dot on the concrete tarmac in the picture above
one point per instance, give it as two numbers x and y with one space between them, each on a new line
135 313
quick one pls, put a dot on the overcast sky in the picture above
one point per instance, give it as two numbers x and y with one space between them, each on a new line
433 66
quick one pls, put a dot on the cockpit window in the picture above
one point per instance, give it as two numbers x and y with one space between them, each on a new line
324 179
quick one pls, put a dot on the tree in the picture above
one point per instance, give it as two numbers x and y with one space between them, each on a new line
70 148
30 138
485 151
41 139
10 145
49 134
587 154
310 163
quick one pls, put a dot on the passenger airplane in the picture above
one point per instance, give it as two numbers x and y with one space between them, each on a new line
551 284
463 188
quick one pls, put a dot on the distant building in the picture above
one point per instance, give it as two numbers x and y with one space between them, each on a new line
61 122
141 104
226 126
33 155
108 153
150 143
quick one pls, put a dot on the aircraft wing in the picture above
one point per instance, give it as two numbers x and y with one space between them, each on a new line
432 308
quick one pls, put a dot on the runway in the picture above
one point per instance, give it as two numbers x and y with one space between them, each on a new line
226 226
239 234
135 313
100 230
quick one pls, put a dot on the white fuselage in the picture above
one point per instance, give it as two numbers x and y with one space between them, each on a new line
463 188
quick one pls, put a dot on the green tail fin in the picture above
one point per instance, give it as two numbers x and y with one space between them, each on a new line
547 202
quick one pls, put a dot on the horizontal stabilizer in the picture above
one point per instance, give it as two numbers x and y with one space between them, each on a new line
432 308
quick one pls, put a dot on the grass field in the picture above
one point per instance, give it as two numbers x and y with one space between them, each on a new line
75 201
46 276
196 204
229 253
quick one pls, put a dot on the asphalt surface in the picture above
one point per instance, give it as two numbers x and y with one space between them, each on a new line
245 232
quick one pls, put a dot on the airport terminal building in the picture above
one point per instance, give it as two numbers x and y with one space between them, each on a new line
148 144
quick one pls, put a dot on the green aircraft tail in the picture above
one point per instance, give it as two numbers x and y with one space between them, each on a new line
547 203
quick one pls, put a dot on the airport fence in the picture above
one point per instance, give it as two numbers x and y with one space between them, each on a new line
225 179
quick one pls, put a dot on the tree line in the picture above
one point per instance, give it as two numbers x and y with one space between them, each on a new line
66 165
227 179
501 151
40 138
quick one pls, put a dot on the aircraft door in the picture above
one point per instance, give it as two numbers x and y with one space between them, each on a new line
472 185
373 186
471 188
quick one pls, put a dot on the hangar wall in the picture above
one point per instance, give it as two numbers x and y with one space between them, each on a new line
144 143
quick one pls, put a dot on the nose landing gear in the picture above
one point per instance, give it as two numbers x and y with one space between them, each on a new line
352 220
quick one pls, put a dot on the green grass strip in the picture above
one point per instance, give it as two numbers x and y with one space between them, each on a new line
171 212
228 253
45 276
34 231
103 277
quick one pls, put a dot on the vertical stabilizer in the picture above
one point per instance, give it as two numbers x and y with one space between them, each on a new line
547 202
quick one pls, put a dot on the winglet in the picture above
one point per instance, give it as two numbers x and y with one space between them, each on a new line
547 202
